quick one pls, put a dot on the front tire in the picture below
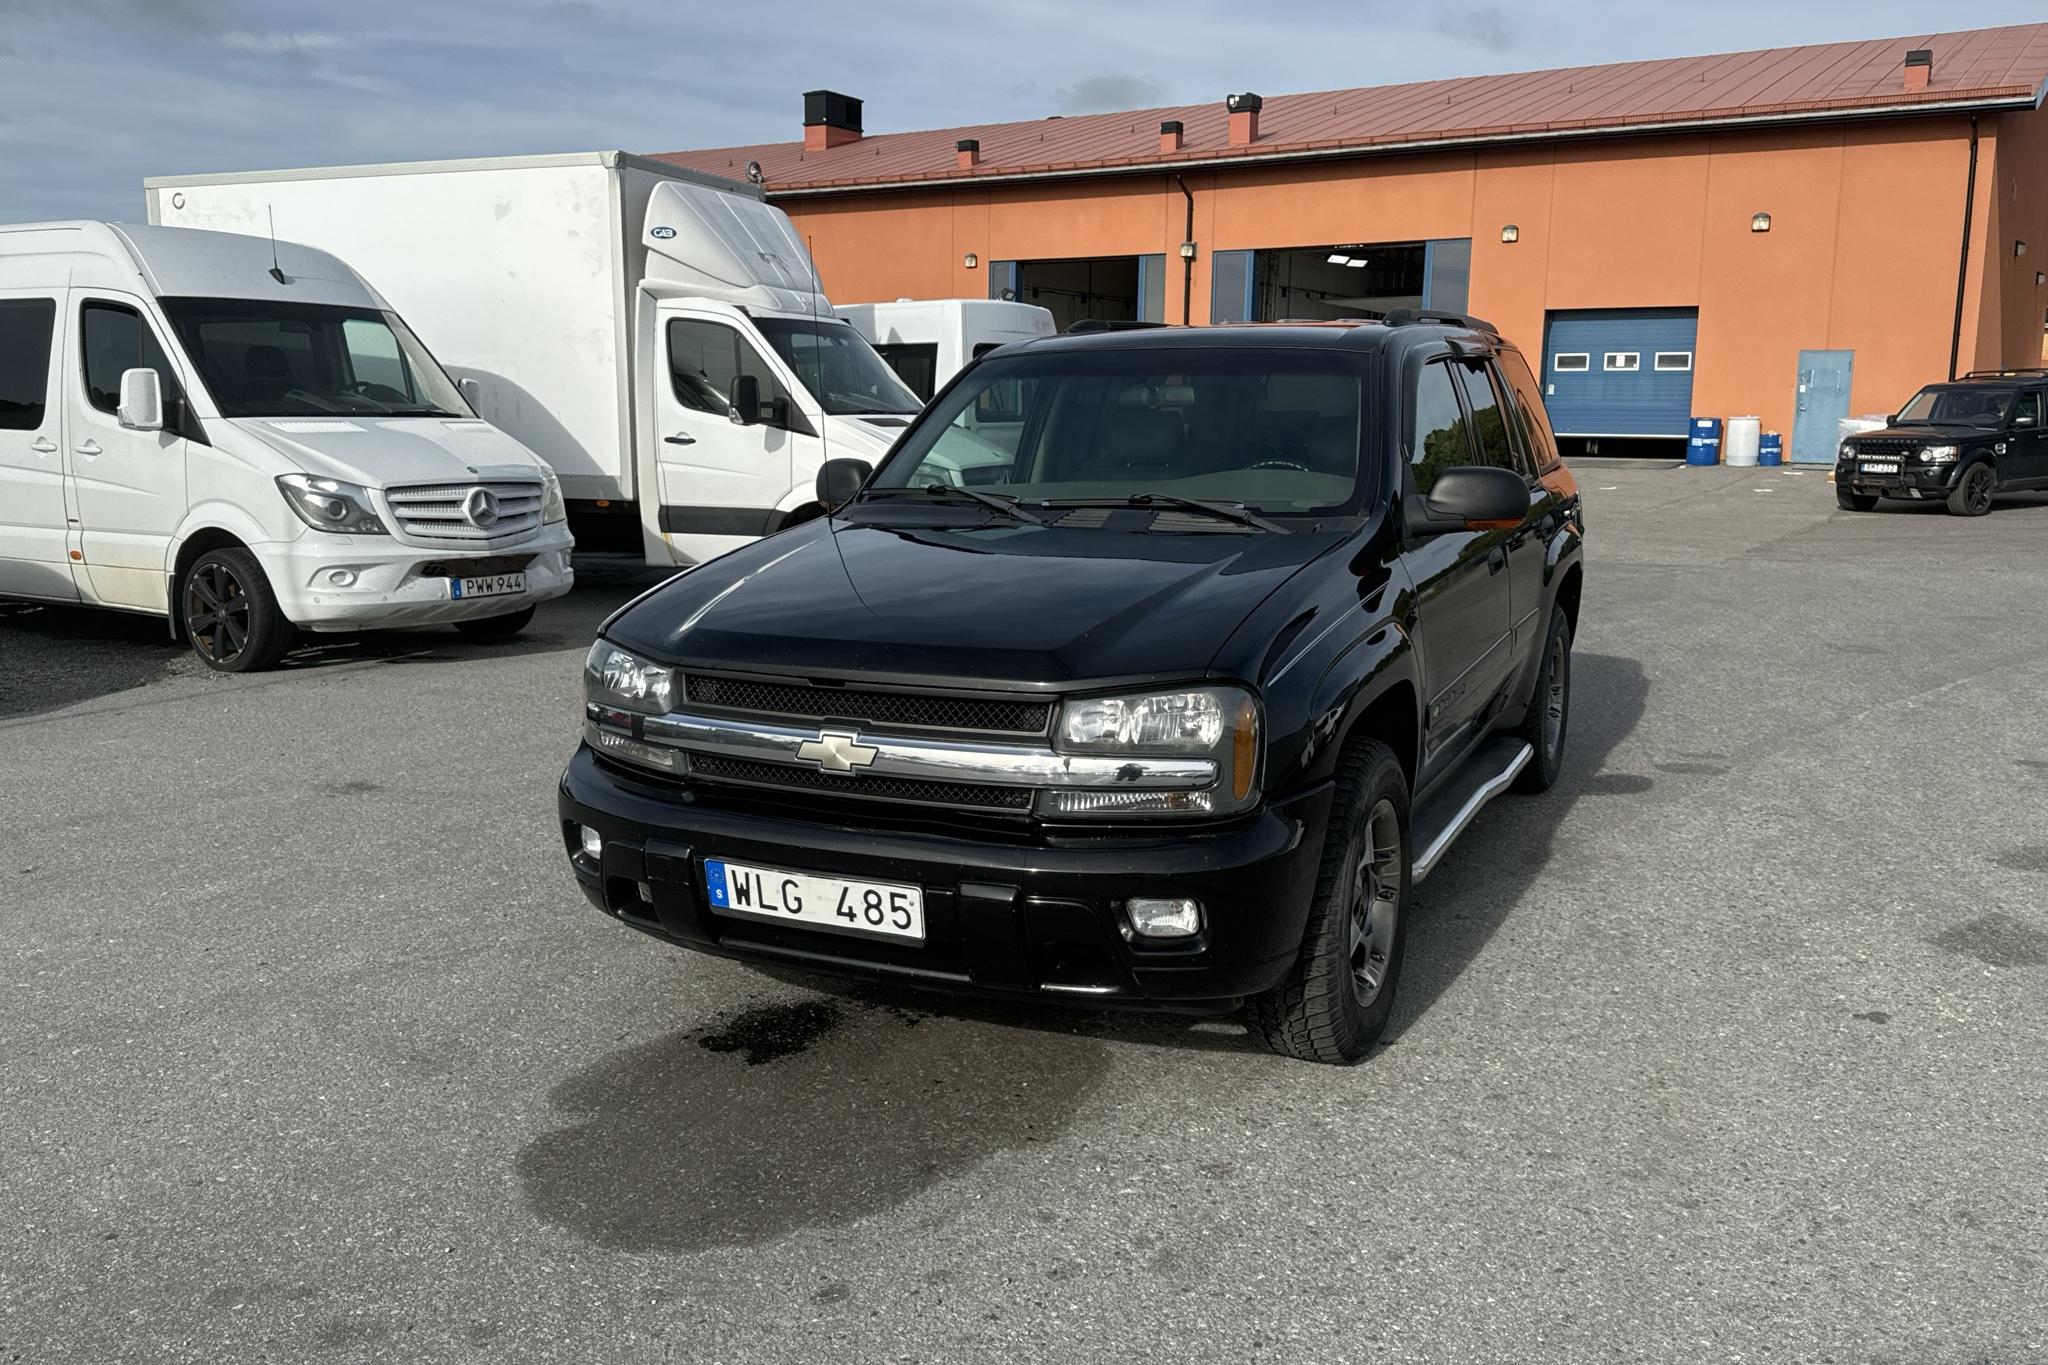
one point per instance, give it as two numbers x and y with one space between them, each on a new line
1854 502
497 627
1974 491
230 615
1335 1003
1550 705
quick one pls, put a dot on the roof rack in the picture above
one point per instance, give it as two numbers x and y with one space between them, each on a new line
1109 325
2014 373
1405 317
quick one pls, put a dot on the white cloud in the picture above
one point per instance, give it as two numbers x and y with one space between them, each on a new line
245 40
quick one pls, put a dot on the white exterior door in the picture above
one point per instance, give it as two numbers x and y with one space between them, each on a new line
129 486
32 516
720 483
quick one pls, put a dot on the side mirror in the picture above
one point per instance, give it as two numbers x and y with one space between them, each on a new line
743 400
840 479
472 391
1470 498
2022 420
142 400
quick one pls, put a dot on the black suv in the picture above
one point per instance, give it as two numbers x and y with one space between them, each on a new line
1149 668
1962 443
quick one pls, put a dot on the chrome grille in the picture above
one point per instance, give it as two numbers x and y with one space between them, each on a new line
861 706
439 512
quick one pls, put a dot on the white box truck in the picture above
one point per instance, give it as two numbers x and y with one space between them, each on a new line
658 336
928 341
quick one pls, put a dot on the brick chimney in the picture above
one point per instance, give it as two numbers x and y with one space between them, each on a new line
967 153
1919 68
1244 118
830 120
1169 135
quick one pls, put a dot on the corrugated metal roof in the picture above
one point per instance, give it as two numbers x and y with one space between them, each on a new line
1976 67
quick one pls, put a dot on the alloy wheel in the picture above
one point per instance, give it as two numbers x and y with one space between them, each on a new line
1981 487
1554 700
217 612
1376 902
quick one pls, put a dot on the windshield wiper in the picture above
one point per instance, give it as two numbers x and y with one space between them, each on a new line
1222 511
997 502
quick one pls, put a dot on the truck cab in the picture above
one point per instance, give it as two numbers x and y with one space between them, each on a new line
1961 443
1167 705
241 436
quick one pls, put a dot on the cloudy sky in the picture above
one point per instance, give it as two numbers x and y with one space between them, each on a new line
96 94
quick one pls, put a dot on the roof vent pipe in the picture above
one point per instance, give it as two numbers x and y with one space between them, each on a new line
1169 135
1919 68
1244 118
967 153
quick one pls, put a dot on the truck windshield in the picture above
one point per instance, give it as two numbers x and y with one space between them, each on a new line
1966 404
263 358
838 367
1267 429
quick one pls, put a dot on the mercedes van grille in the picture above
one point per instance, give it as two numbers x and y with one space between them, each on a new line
465 513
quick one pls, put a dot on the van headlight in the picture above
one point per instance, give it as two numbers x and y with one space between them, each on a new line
1218 723
552 508
331 505
614 677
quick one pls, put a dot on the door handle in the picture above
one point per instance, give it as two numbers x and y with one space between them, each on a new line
87 447
681 438
43 445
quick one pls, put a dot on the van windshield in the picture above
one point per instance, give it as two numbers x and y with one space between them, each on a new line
262 358
838 367
1266 429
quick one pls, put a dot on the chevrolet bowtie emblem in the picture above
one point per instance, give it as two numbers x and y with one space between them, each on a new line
837 751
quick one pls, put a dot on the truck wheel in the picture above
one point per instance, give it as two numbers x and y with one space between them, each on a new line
1550 707
230 614
1854 502
1974 491
1335 1003
497 627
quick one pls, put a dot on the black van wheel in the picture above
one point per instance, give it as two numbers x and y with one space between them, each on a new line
497 627
1854 502
1550 708
230 615
1335 1003
1974 491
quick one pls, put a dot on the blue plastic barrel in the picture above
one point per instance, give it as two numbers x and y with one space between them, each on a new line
1703 446
1770 448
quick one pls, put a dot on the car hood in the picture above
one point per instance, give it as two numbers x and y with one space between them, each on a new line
393 451
864 438
993 603
1929 435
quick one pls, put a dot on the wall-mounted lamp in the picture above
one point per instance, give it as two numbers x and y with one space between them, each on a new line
970 260
1511 233
1187 251
2019 248
2040 278
1759 222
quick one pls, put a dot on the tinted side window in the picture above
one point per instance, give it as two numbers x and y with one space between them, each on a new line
115 338
25 328
1540 443
2026 412
1489 418
916 363
1442 441
703 358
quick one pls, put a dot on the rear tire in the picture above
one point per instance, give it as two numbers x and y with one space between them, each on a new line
1336 1001
1974 491
1550 708
229 614
1854 502
497 627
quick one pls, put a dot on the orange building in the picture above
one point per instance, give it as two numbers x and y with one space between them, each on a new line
1798 233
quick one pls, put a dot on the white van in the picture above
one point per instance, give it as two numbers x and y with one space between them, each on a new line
658 336
243 437
928 341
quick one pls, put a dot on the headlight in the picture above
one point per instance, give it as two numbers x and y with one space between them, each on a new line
614 677
1940 454
1219 723
331 505
1847 451
552 508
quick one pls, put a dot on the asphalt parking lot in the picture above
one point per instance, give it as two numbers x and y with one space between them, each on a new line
1731 1047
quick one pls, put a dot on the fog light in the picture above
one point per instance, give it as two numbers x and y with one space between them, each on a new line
593 842
342 578
1158 917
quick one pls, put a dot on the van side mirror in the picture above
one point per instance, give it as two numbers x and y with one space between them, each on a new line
743 400
142 400
1470 498
839 479
472 391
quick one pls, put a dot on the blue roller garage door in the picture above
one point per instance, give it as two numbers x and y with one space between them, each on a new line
1620 371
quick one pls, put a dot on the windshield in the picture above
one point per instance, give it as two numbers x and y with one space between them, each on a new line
1964 405
1270 429
261 358
838 366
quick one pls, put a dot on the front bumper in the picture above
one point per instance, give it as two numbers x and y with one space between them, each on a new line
1037 916
1914 480
403 585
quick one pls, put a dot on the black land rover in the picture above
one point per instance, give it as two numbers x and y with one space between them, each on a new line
1150 668
1961 443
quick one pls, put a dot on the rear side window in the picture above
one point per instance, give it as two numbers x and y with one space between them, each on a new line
25 329
1442 440
916 363
115 339
1528 404
704 357
1489 418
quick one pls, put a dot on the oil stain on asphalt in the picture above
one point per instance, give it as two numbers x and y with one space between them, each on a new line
1996 940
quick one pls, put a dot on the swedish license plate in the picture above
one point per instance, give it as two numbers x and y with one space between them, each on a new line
488 585
1880 467
880 909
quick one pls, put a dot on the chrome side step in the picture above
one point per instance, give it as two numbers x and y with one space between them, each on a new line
1441 819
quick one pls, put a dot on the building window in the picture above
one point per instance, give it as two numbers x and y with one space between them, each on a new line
1569 362
1672 360
1622 361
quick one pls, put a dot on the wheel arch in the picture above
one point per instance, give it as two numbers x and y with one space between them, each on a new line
188 549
